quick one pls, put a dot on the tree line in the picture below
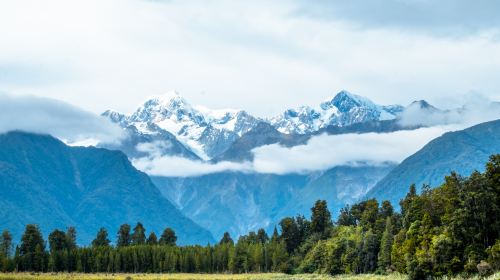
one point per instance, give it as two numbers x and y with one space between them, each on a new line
449 230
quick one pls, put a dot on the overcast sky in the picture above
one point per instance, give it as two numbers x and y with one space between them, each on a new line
262 56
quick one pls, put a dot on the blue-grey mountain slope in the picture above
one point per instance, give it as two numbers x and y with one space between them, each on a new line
240 202
461 151
43 181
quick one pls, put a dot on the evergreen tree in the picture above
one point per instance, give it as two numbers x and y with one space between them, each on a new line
32 249
101 239
139 235
226 239
275 235
387 210
304 227
57 244
384 256
71 238
321 218
290 234
123 236
57 241
346 218
152 239
262 236
168 237
70 255
6 243
369 252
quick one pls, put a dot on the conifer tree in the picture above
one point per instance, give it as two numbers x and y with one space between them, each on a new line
123 236
321 217
31 251
262 236
101 239
384 256
168 237
152 239
71 238
226 239
290 234
139 235
57 241
6 243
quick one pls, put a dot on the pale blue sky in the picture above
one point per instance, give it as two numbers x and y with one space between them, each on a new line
262 56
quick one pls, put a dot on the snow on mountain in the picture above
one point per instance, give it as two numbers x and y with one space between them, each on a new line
115 116
205 132
209 133
343 109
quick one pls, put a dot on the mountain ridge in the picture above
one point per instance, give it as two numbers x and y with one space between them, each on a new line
461 151
43 181
210 133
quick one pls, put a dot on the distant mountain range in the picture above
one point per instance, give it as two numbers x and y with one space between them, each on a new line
216 134
45 182
241 202
343 109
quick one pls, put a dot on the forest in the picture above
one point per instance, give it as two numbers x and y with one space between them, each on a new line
445 231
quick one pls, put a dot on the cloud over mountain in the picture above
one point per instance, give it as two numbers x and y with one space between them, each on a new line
60 119
320 153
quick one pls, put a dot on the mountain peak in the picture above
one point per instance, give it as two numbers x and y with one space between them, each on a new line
114 116
345 101
422 104
168 99
166 106
344 95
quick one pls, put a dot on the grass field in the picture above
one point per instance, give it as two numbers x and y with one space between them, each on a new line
183 276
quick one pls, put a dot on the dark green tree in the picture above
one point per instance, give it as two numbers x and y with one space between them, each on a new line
139 235
152 239
262 236
6 243
168 237
290 234
57 240
321 219
58 255
101 239
346 218
71 238
386 210
275 235
384 255
32 249
226 239
123 238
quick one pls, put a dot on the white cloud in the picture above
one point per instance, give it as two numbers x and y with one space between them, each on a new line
154 149
62 120
256 55
326 151
182 167
320 153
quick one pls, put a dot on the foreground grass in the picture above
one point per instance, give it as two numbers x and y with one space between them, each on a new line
186 276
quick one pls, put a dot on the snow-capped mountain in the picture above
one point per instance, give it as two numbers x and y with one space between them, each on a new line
343 109
209 134
205 132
